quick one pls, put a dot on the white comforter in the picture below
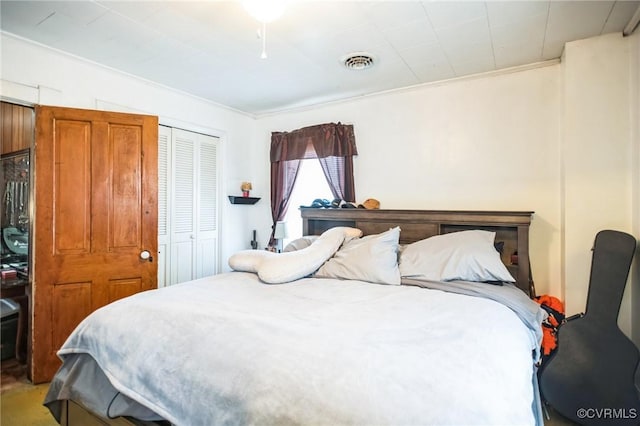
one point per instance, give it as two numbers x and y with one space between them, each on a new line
230 350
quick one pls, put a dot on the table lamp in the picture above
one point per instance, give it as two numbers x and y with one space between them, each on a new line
279 234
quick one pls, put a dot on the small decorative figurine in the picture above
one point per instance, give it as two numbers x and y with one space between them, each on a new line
245 187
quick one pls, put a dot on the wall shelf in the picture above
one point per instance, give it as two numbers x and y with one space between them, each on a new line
238 199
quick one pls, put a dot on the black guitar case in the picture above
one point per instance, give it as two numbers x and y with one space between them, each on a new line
590 378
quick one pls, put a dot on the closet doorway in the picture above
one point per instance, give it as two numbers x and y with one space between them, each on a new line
188 205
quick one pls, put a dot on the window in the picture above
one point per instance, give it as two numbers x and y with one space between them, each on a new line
333 145
310 184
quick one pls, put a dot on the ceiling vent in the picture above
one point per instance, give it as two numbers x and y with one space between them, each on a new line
358 61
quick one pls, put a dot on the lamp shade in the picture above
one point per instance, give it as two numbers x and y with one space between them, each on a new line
280 231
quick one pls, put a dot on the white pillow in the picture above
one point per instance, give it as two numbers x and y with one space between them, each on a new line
373 258
291 266
249 260
300 243
464 255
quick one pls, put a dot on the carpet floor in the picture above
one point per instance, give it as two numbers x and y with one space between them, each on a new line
20 400
22 406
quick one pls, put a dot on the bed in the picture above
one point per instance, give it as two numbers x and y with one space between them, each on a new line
271 343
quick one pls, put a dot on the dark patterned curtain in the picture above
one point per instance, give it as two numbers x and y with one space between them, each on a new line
285 173
334 145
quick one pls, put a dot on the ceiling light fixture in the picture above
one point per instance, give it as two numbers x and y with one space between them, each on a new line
264 11
358 60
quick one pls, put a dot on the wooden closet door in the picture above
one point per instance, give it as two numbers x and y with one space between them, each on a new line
96 212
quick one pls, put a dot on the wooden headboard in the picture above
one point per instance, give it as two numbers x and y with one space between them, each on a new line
511 228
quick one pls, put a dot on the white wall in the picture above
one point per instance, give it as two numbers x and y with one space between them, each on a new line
599 165
486 143
35 74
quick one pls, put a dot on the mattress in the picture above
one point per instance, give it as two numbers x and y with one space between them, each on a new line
232 350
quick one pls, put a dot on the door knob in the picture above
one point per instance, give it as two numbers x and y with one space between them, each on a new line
145 255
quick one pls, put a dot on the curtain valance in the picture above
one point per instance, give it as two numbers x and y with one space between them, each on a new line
319 141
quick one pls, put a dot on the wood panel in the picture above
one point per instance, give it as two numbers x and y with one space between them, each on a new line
18 124
121 288
72 187
125 193
71 304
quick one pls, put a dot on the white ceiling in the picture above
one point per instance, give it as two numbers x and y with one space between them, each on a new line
211 49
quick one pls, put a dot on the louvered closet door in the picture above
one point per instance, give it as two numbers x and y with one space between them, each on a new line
207 219
194 208
183 233
164 178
